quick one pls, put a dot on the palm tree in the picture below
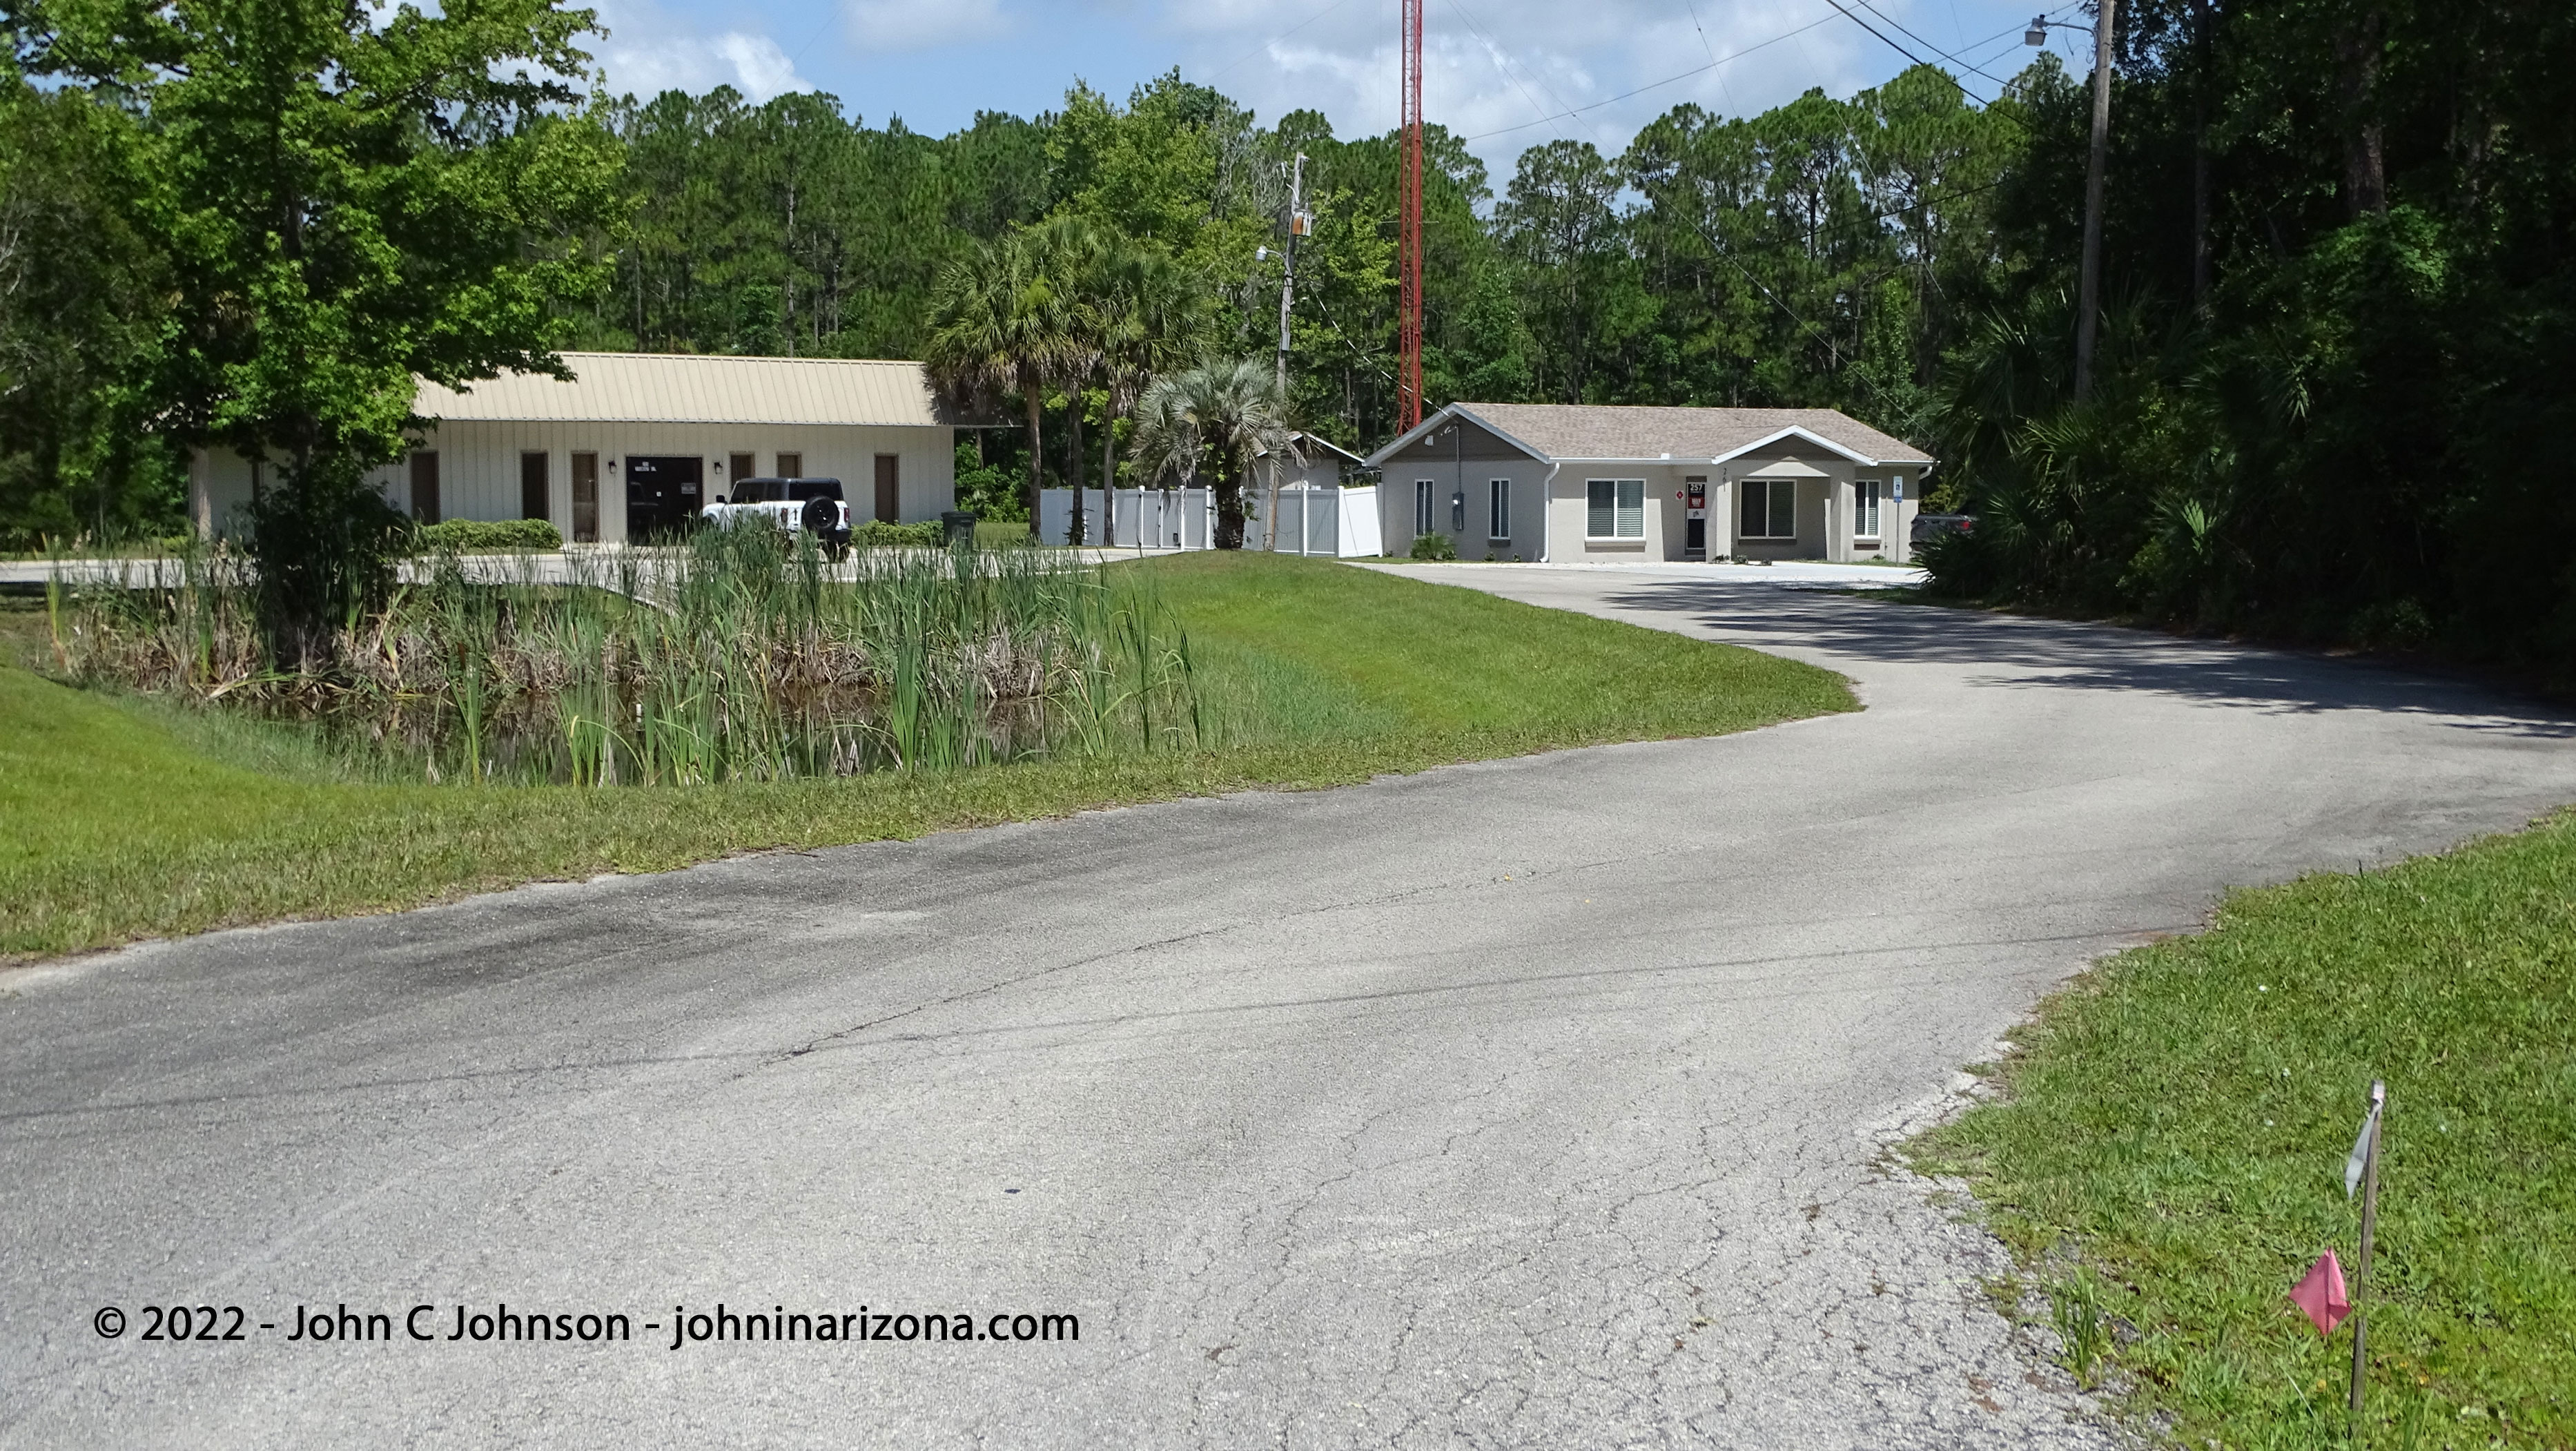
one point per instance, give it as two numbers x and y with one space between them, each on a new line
1078 260
1150 317
1221 415
1001 321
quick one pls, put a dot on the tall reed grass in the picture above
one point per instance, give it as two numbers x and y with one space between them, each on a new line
742 655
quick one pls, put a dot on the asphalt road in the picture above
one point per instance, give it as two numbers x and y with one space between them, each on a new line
1536 1103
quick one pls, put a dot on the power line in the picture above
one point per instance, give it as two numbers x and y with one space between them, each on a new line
1494 53
1710 51
1935 64
1335 324
1274 40
1927 45
1657 85
1874 30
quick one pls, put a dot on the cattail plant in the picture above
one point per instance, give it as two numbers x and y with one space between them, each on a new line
740 656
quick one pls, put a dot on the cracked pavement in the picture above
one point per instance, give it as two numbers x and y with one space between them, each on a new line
1535 1103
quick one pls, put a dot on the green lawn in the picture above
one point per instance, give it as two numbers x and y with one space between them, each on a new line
129 819
2177 1122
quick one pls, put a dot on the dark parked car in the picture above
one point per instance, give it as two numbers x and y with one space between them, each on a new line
1933 526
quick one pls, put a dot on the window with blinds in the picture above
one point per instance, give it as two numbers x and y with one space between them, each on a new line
1865 509
1770 509
1614 509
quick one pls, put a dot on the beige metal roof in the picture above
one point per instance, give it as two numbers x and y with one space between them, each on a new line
1601 431
696 388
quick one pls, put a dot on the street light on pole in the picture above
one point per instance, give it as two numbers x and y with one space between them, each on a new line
2088 287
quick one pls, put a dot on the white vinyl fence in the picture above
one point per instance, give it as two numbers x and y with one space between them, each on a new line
1322 521
1143 518
1316 519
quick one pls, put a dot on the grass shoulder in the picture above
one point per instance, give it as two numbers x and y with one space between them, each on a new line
2169 1148
131 818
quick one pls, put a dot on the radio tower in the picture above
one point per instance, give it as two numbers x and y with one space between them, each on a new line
1408 346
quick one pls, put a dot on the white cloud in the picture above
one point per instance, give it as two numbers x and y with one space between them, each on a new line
922 24
648 51
1503 71
761 69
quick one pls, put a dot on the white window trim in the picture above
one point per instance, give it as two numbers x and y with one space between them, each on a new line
1765 484
1876 510
1614 537
1498 510
1422 507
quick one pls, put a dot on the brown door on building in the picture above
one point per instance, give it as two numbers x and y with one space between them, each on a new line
585 498
738 467
424 487
533 500
889 489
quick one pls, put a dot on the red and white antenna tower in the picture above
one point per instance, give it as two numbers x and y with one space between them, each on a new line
1408 346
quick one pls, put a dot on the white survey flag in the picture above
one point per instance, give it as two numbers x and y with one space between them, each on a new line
2359 1159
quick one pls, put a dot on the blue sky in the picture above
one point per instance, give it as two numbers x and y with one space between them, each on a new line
1500 71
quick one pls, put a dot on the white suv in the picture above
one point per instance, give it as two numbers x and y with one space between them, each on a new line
813 505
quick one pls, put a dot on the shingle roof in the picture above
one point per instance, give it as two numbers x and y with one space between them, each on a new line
1582 430
696 388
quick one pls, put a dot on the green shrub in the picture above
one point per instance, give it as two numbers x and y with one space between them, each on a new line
470 536
926 535
1433 546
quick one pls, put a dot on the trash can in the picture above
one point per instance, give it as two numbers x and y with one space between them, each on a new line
959 526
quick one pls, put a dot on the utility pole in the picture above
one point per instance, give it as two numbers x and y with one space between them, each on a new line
1408 325
1297 227
2088 288
2088 285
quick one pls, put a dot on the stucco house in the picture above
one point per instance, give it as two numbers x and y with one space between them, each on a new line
1570 482
636 442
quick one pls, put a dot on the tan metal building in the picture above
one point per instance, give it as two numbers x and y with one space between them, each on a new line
1568 482
635 442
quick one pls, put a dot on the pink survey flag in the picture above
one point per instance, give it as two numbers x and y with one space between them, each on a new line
2322 1295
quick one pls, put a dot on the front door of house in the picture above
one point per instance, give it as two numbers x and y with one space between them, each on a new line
585 498
1695 518
889 488
662 496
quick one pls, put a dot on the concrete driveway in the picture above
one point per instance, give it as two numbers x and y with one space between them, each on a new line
1535 1103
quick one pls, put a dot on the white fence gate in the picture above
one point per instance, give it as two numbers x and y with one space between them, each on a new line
1316 519
1333 522
1140 518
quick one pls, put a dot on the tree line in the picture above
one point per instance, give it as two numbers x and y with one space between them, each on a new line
2336 325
